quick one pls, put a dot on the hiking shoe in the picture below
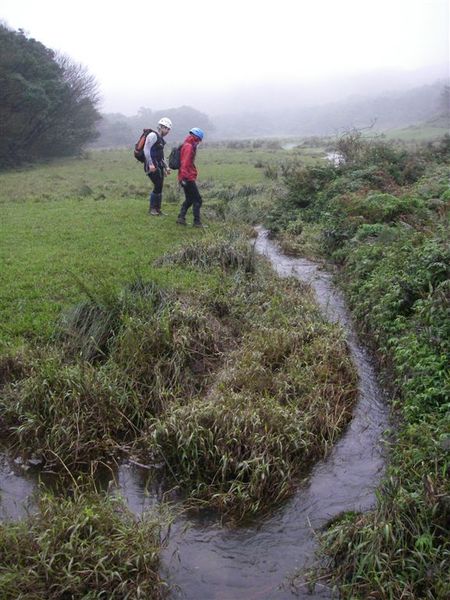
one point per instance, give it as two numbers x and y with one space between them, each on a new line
162 214
200 225
181 221
153 212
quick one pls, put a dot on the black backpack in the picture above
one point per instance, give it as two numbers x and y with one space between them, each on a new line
175 158
139 145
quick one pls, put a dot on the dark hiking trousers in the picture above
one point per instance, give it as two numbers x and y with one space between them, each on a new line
157 178
193 199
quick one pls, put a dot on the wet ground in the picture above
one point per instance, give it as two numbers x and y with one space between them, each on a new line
209 562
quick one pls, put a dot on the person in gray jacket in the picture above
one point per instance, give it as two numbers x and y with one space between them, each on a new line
155 165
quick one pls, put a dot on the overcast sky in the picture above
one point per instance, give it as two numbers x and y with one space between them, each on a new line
196 52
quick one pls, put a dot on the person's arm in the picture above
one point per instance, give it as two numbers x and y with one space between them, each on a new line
150 140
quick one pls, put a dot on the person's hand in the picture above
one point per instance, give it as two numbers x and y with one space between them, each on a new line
167 171
183 183
151 169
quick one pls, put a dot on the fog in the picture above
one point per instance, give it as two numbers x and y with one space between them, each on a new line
242 56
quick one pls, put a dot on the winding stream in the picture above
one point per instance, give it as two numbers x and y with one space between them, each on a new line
210 562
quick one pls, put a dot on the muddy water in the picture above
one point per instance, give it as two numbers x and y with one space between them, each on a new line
209 562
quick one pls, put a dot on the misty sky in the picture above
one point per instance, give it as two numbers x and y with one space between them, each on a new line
209 54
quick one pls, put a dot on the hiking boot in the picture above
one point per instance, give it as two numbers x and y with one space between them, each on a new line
153 212
200 225
181 221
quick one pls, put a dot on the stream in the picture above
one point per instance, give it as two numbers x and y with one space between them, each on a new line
205 561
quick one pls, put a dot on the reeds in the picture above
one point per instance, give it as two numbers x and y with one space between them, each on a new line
278 404
229 253
238 391
89 546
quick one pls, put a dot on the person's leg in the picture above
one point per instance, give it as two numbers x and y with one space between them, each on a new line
156 195
159 190
196 203
186 204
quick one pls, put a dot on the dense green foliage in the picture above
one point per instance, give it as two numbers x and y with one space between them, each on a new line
88 546
382 216
47 102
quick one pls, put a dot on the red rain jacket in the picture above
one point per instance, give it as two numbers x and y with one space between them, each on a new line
188 170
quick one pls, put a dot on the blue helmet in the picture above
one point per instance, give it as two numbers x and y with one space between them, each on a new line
197 132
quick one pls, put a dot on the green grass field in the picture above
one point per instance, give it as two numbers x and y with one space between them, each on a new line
86 219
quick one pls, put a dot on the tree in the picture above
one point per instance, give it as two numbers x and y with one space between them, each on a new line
47 102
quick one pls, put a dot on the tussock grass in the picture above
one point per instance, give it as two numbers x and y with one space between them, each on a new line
13 366
278 404
68 414
156 349
89 546
169 356
230 253
89 328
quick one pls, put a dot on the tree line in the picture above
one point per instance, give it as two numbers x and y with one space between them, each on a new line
47 102
116 129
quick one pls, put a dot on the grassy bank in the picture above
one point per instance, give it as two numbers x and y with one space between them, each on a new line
88 546
382 217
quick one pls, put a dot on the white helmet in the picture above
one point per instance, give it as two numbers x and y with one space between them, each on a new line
165 122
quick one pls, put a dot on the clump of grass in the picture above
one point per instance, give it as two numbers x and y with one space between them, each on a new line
86 547
68 413
89 328
168 356
13 366
230 253
279 403
157 349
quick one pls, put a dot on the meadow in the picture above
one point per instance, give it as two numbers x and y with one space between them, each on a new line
86 220
124 333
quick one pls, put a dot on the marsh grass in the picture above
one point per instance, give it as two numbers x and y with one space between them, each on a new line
87 546
229 252
67 414
88 328
279 402
170 356
402 549
120 360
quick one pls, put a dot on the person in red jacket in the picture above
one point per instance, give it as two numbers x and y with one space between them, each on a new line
187 175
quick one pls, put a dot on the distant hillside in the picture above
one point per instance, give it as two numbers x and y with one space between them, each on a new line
394 110
117 130
387 111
